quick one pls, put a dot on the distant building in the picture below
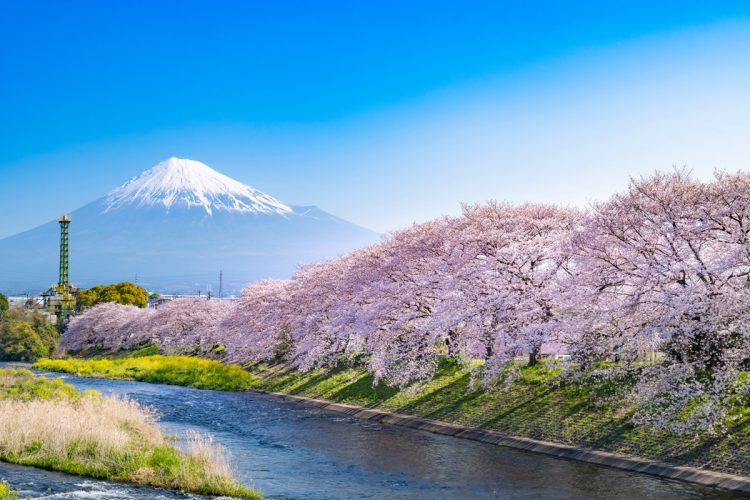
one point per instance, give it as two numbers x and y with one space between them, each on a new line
554 350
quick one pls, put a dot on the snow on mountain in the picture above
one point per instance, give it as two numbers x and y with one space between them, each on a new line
187 183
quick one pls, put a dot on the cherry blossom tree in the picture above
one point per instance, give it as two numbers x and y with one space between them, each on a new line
104 326
318 304
187 325
400 286
506 274
665 265
257 327
180 326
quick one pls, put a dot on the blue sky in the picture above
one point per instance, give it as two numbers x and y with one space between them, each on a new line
382 112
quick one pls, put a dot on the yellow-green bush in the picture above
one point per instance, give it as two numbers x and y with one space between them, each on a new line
176 370
6 492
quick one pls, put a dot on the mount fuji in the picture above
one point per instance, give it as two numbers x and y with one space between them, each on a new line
174 227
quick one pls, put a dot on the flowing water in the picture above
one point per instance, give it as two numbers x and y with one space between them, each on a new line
290 451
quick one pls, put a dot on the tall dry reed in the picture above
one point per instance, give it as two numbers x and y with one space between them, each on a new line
47 423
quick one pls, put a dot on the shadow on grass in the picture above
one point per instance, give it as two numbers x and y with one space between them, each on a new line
311 383
365 392
521 407
445 401
705 452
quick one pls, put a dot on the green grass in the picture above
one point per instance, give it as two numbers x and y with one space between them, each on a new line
22 384
175 370
49 424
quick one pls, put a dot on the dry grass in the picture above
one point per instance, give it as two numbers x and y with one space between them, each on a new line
203 449
52 427
104 437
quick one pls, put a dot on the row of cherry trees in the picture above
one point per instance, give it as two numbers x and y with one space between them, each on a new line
484 285
179 326
663 266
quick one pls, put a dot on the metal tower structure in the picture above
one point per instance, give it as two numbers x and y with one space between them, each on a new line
221 284
64 224
60 298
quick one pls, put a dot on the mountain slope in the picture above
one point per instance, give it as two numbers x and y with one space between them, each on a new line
176 226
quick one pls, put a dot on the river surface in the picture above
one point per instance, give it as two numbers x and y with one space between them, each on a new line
290 451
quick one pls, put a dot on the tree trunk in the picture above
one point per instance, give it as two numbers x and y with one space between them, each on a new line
534 356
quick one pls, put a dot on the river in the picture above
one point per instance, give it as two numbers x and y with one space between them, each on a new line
291 451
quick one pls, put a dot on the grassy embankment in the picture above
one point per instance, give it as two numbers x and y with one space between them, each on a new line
539 404
49 424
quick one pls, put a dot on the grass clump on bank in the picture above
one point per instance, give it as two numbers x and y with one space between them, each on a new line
49 424
6 492
175 370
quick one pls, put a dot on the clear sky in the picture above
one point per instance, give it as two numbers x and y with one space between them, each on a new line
380 112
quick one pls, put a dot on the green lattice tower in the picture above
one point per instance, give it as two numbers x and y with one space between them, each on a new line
67 301
64 223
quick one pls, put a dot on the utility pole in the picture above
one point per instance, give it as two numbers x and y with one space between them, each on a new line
221 284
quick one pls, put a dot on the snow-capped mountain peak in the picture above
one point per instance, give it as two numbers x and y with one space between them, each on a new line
178 182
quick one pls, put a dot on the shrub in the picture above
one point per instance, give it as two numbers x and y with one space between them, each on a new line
6 493
26 336
125 293
176 370
3 305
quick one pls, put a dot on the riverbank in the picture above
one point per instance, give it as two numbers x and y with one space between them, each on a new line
49 424
540 405
290 450
721 480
